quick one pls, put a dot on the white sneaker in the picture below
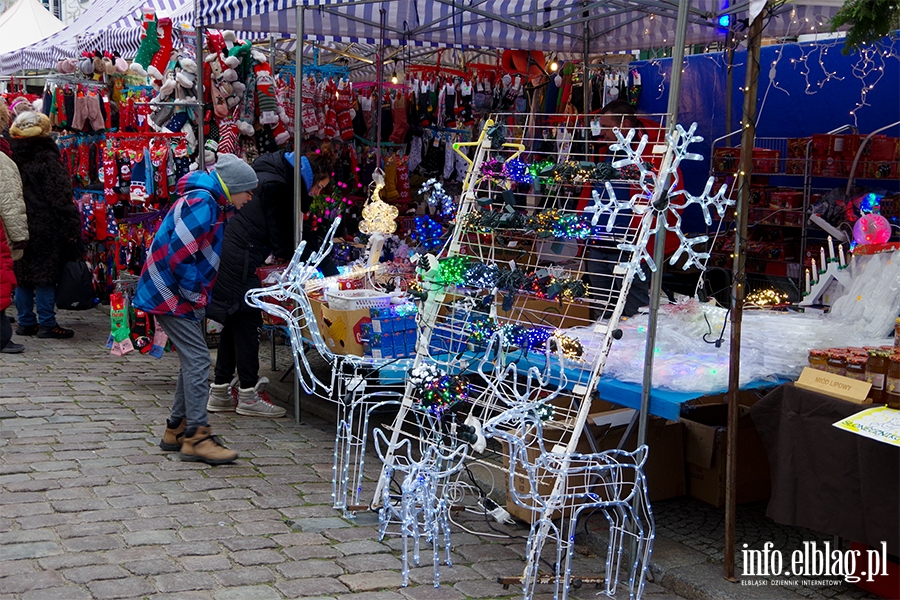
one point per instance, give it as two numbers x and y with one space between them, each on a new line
254 402
222 397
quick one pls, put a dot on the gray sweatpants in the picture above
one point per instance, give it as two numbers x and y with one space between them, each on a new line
192 389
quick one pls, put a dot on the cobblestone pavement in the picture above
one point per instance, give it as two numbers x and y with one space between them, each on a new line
90 507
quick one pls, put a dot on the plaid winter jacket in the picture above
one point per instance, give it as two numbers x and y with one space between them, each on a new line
183 261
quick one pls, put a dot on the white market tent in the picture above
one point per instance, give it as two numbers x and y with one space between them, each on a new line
106 25
26 22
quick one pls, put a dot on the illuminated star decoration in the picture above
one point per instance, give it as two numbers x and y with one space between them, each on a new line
378 216
672 201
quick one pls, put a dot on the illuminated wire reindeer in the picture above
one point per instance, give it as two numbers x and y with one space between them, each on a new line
288 299
423 509
611 482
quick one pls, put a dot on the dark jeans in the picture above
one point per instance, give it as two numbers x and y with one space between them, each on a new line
44 298
5 330
239 348
604 284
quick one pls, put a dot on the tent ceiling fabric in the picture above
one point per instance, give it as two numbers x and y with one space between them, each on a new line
105 25
26 22
615 25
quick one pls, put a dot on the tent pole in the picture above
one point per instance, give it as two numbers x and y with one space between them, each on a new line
380 99
738 287
585 87
659 251
298 153
273 59
201 64
729 79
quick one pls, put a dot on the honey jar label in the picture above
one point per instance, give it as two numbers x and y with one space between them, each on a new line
876 379
893 384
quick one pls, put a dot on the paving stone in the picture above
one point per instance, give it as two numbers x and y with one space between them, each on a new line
482 589
70 560
69 592
92 543
307 552
376 580
352 534
250 558
26 582
88 529
299 588
133 587
193 549
424 575
299 539
94 573
32 535
372 596
262 528
153 537
427 592
320 524
205 563
255 592
33 550
310 568
373 562
183 582
156 566
17 567
238 576
361 547
248 543
217 532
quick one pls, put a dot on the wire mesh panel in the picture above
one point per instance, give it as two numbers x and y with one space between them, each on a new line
549 250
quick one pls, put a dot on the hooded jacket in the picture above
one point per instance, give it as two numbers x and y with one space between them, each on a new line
12 204
183 261
54 228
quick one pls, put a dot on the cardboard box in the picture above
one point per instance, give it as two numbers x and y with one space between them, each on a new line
705 446
342 329
549 313
664 468
727 160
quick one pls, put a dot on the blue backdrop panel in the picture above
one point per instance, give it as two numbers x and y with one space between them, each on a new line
812 89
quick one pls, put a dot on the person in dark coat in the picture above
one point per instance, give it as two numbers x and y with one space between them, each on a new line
261 228
54 228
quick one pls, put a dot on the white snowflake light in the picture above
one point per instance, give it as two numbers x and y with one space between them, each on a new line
651 205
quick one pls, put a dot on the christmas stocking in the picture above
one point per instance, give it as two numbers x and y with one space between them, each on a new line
161 58
150 42
398 136
160 340
265 95
119 341
228 133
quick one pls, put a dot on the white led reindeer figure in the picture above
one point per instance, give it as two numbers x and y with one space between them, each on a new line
353 407
611 482
423 507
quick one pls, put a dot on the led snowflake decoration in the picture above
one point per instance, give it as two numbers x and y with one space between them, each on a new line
651 204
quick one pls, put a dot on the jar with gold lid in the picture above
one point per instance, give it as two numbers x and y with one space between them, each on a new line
856 367
892 383
876 374
837 363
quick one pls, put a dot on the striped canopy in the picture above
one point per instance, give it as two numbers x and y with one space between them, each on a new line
105 25
614 25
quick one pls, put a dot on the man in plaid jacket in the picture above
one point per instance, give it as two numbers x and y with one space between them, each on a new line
175 286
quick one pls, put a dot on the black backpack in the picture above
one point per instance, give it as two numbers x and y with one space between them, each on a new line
76 287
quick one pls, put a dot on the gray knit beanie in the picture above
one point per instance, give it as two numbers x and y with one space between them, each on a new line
236 174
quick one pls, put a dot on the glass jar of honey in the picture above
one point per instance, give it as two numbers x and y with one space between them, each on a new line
856 367
897 333
837 363
876 373
892 383
818 359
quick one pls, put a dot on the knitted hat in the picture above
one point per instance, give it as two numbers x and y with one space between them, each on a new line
30 124
20 105
4 116
237 175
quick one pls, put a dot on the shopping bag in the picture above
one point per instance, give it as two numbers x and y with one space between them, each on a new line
76 287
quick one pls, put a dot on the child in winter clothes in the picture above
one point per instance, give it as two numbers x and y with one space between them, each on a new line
13 232
175 285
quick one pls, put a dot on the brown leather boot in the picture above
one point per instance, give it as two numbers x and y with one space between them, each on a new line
200 445
172 438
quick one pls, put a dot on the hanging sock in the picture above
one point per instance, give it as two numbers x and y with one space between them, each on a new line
389 191
450 105
398 136
265 94
415 153
449 161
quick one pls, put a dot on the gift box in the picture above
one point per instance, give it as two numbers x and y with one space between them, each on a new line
793 219
796 147
782 199
826 144
765 160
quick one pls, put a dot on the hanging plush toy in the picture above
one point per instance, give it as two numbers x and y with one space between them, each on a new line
265 93
160 60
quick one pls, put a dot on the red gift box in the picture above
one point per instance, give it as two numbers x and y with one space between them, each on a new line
785 199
